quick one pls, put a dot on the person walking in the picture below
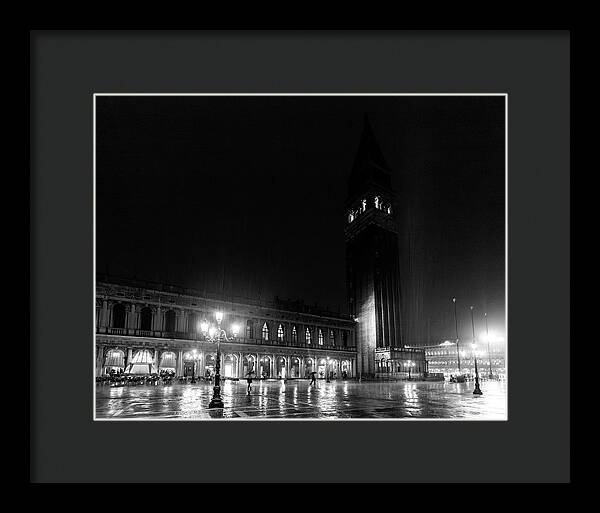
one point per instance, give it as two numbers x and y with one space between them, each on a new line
249 381
313 378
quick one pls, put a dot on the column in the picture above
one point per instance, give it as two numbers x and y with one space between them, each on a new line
179 369
157 360
287 366
133 318
129 357
99 360
157 319
104 314
180 321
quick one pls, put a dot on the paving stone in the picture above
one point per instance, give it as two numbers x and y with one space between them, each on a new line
296 399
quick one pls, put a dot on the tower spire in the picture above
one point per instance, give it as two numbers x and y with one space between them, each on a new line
370 166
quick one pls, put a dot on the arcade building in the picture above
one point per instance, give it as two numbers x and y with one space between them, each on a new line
146 327
444 359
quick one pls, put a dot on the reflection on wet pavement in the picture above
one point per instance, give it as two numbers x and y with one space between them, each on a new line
298 400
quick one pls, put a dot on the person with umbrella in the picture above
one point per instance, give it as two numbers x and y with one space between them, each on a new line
249 380
313 378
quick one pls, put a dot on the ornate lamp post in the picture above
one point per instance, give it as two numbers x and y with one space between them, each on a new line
487 336
456 331
477 390
213 334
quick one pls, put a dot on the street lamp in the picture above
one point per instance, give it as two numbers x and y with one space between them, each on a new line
477 390
487 336
213 334
456 331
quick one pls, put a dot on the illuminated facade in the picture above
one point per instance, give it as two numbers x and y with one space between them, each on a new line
373 262
443 358
145 328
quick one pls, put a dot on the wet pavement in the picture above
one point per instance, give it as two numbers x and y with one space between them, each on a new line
297 400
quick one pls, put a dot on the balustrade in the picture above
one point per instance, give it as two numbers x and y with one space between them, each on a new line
239 340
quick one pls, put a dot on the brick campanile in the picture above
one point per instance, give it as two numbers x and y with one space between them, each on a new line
372 254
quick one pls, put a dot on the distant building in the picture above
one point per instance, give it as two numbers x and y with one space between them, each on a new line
443 358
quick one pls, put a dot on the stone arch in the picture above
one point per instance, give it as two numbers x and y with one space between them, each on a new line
168 361
115 359
280 366
294 367
249 364
118 315
309 366
193 322
146 318
264 366
170 321
141 362
322 367
230 366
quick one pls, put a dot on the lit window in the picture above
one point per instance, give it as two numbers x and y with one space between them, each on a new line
294 334
364 205
265 332
377 202
320 337
332 337
280 333
308 336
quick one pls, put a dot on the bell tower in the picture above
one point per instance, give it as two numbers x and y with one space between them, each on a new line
372 254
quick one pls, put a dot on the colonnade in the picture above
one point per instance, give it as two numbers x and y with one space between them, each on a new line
236 362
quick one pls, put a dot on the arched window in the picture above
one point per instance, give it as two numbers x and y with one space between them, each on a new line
265 332
280 333
377 202
168 360
320 337
345 338
146 319
118 317
308 335
193 320
294 334
332 337
170 321
115 358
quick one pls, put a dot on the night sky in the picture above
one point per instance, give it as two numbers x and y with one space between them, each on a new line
245 196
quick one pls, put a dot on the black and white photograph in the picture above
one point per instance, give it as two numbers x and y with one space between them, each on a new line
300 257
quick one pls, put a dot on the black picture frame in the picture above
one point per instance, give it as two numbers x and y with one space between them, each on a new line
67 68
